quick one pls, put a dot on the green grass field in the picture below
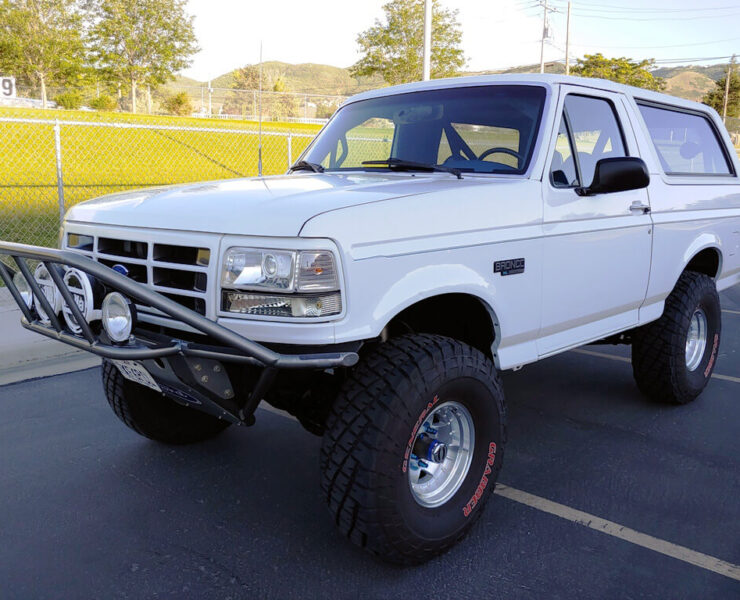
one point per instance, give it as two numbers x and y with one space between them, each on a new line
100 160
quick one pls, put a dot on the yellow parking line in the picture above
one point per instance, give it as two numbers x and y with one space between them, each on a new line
627 360
704 561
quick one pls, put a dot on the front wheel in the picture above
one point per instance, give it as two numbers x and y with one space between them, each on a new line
154 415
673 358
413 447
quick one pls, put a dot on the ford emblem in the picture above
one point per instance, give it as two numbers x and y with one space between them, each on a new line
120 269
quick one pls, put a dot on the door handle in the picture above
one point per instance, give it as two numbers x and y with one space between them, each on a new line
639 208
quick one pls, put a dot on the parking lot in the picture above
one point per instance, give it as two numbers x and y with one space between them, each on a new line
90 510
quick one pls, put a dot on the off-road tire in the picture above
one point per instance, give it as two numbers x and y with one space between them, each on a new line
370 430
154 415
659 348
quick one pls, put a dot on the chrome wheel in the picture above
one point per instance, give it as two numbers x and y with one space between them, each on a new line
696 341
442 454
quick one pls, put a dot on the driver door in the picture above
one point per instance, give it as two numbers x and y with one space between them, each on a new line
597 249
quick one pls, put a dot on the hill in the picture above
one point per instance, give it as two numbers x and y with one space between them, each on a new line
688 81
689 84
311 78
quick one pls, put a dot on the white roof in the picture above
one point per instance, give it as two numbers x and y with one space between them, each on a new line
548 80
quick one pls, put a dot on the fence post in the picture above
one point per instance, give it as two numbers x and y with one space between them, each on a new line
60 180
290 150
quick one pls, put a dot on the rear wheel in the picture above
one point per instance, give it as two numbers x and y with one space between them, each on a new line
413 446
673 358
154 415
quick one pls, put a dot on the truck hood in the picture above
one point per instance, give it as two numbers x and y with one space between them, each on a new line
261 206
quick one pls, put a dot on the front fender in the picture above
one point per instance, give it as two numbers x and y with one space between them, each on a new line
429 281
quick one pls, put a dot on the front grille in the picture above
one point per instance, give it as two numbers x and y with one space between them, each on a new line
179 272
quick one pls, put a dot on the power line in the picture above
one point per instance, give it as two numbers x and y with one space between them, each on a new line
663 18
623 8
659 47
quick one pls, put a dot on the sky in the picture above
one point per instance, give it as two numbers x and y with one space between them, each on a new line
496 33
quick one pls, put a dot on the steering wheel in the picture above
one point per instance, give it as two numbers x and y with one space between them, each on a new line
497 149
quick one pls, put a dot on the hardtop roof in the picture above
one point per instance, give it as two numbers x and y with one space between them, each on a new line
547 80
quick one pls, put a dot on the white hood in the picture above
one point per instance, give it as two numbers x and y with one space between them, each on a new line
268 206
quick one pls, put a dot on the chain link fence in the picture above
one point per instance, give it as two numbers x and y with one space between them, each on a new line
220 103
50 165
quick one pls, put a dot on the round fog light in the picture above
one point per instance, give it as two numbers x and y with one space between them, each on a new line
118 317
23 288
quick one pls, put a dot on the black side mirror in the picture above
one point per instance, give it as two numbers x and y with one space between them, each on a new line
618 174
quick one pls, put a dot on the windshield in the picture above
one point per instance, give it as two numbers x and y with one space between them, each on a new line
486 129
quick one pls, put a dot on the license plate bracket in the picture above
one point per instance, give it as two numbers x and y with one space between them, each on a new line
136 372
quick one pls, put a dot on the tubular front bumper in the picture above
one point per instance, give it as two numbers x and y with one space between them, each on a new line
229 346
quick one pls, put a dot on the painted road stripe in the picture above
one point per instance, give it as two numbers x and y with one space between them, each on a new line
731 312
610 528
627 360
704 561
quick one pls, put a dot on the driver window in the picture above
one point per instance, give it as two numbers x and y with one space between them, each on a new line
562 167
596 133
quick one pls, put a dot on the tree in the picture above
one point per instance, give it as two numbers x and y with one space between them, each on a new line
246 80
282 104
142 41
40 41
179 104
621 70
716 96
394 48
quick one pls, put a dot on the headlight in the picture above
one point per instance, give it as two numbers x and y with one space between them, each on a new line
118 317
246 268
304 283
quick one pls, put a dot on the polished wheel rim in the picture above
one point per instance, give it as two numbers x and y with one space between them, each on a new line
442 453
696 341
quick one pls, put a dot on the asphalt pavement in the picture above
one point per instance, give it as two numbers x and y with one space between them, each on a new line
90 510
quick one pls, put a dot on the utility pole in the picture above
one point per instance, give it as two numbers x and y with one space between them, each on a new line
727 89
544 35
567 42
427 68
210 100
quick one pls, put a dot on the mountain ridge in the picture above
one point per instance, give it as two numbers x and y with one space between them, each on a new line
687 81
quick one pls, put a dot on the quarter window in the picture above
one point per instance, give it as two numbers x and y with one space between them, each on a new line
686 143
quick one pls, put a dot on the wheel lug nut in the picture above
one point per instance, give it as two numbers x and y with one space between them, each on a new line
429 429
422 464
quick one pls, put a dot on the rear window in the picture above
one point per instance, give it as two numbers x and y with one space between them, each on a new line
686 143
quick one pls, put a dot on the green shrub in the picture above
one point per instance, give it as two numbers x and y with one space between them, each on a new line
69 100
105 103
178 104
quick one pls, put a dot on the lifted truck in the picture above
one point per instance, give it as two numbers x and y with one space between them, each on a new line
432 235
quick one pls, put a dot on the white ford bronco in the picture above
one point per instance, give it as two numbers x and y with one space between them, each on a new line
432 235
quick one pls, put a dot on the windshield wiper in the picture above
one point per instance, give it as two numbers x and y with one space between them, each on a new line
304 165
399 163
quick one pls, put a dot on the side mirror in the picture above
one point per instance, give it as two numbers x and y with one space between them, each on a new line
618 174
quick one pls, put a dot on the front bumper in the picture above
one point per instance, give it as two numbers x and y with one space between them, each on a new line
227 345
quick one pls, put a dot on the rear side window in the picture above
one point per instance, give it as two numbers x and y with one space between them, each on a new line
686 143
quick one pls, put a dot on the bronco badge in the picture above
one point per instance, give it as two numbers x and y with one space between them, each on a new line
512 266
